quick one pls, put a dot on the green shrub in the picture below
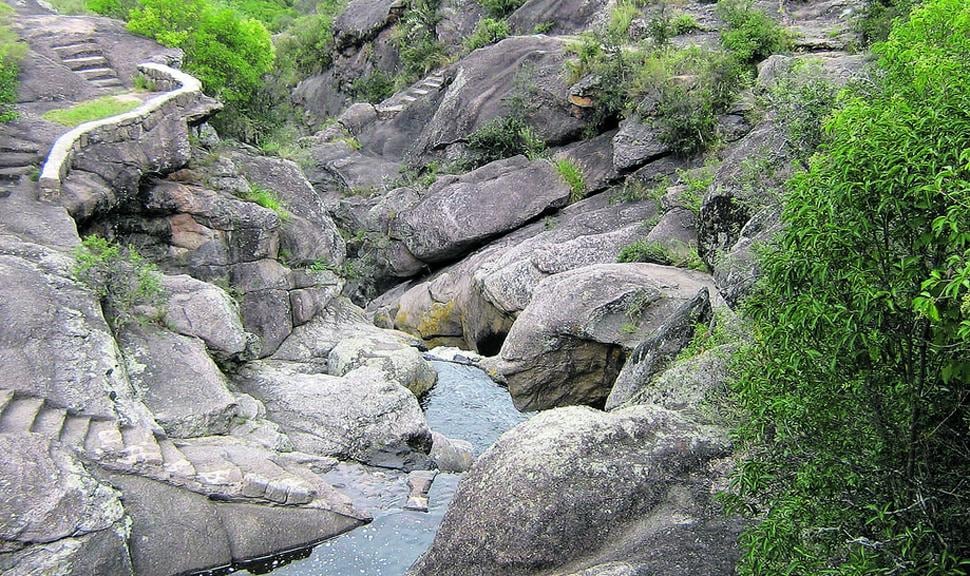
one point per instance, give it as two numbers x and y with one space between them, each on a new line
12 51
500 8
70 6
273 13
305 48
120 276
503 138
487 31
103 107
750 33
685 24
119 9
572 175
544 27
267 199
227 52
668 254
373 88
877 18
618 26
417 39
855 420
802 99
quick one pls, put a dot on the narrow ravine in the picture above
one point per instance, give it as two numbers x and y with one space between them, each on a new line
465 404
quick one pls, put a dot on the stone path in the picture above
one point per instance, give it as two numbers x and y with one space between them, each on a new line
85 58
221 468
421 90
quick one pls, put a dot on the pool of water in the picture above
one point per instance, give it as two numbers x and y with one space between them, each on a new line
466 405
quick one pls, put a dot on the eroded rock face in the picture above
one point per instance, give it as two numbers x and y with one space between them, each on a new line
570 342
404 365
487 77
205 311
361 416
564 16
178 381
576 489
459 212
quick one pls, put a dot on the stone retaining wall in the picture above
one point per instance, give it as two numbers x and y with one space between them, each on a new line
181 91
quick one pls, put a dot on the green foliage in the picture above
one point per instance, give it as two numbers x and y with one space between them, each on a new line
685 24
878 15
120 276
500 8
267 199
666 253
103 107
275 14
70 6
228 52
618 26
12 51
854 393
112 8
503 138
697 181
143 83
802 99
750 33
373 88
417 39
487 31
544 27
572 175
694 86
305 48
720 331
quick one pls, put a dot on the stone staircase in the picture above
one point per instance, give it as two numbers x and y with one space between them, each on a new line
19 156
221 468
85 58
418 91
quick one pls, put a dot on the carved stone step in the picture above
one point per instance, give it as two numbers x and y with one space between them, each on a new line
75 430
141 448
174 461
50 421
19 415
104 439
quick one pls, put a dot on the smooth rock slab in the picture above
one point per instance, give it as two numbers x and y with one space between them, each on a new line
460 212
402 364
179 382
362 416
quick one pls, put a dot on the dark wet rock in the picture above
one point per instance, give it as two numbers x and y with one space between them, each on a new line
574 488
362 19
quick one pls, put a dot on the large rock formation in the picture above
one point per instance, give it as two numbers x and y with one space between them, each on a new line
574 490
570 342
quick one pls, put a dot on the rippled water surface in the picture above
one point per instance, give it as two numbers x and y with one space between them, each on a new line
465 404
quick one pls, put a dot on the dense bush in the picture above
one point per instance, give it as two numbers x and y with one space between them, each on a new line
305 48
120 276
417 40
229 53
503 138
501 8
750 34
11 52
856 420
877 17
487 31
802 98
373 87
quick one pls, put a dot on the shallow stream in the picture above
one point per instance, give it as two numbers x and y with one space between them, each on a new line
466 405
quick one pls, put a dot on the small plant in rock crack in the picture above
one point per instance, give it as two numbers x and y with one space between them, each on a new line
572 175
121 277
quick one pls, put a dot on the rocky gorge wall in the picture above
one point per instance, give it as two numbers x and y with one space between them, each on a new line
230 406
